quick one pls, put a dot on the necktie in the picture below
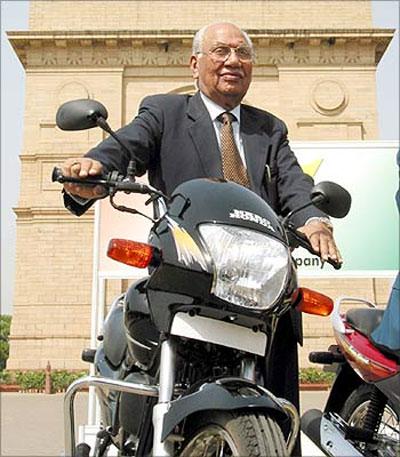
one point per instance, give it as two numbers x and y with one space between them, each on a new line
232 165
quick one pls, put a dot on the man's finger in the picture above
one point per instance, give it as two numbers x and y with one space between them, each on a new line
324 247
314 239
81 167
96 168
332 250
76 169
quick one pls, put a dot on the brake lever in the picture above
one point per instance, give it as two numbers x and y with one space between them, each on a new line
302 240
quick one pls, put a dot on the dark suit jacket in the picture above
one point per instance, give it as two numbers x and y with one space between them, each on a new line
174 138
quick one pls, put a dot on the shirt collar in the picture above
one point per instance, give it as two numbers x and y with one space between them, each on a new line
215 110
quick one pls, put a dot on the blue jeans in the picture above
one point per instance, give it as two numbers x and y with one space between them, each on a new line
387 334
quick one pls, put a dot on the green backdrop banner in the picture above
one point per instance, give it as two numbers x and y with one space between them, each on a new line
368 237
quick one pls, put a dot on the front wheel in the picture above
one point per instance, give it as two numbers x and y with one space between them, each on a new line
233 434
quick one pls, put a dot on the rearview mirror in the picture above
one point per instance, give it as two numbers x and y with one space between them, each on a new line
80 114
331 198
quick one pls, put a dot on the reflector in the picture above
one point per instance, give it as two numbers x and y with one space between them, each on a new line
312 302
130 252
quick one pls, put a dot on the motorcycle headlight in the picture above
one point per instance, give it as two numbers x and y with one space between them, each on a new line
250 267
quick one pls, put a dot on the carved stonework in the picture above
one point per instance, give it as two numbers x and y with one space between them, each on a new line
327 52
75 57
175 56
301 53
99 57
329 97
278 49
273 54
149 57
49 59
352 53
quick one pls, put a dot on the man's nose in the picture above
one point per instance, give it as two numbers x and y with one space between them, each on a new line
232 59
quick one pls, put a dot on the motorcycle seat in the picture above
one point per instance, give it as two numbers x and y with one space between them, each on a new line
364 320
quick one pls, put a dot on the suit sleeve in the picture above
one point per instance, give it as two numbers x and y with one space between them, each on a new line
293 185
141 137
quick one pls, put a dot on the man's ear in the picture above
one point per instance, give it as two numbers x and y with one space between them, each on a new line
194 66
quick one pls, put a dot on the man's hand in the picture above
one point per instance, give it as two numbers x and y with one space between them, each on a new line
82 168
320 235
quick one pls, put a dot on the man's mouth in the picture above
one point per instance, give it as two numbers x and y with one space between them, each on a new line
231 76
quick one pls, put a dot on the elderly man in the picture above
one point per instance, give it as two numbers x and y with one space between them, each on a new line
179 137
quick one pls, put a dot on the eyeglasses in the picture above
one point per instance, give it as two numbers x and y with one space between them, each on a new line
222 53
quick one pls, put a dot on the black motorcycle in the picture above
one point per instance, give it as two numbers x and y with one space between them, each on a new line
177 370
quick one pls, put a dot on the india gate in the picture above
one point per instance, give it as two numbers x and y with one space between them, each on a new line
315 68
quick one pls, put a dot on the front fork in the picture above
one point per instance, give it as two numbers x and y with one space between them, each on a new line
166 390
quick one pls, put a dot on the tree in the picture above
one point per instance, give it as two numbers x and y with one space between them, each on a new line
5 323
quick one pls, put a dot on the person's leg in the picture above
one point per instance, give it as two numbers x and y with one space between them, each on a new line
387 334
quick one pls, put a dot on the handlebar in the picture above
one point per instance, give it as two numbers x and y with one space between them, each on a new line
298 239
112 182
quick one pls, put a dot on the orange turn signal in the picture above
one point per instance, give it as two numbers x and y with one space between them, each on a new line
130 252
312 302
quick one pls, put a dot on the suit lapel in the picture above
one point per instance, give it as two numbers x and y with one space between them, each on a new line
203 135
256 143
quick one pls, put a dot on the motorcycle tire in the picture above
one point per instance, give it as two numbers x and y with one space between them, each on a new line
355 409
233 434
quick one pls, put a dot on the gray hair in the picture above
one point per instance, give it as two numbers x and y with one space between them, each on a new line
199 38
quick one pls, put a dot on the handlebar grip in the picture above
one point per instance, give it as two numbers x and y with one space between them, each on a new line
112 180
57 175
104 180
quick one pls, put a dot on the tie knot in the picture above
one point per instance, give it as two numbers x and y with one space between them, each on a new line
226 118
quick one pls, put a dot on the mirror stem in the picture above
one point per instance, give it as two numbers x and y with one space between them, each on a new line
102 123
315 199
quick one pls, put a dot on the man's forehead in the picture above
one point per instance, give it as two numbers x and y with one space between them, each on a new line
223 33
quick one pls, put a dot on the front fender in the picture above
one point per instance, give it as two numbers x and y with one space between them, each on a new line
224 395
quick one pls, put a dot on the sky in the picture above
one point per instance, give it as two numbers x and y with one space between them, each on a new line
14 16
